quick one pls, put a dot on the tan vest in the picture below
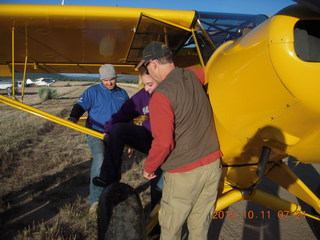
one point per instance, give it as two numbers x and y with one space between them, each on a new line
194 131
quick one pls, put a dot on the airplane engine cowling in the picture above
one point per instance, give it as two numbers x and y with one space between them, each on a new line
264 89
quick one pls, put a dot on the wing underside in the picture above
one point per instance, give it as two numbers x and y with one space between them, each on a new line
78 39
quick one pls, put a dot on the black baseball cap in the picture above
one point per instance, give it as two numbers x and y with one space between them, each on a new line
154 50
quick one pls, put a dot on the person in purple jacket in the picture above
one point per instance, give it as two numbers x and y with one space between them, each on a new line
120 131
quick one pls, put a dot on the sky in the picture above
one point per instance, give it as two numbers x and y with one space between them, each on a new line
268 7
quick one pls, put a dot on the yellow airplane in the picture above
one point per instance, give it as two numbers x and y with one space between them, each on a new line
263 76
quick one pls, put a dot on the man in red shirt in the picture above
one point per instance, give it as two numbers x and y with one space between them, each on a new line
185 145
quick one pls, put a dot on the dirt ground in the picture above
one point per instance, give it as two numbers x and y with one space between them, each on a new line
66 180
45 166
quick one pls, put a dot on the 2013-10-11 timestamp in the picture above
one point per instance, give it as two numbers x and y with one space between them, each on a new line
281 214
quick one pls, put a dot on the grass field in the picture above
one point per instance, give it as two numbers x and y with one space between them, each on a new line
44 171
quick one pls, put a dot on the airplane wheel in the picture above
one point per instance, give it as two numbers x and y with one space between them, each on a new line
120 214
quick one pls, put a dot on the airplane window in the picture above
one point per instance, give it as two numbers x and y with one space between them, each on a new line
150 29
307 40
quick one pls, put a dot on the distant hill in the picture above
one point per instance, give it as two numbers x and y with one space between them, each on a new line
71 77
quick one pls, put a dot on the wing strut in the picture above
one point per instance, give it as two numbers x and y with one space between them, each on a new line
198 49
16 104
12 71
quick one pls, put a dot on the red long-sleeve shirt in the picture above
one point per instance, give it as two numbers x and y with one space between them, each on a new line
162 127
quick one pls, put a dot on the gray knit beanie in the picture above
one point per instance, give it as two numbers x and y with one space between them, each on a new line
107 71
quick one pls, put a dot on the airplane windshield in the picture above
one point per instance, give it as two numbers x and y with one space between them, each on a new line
220 28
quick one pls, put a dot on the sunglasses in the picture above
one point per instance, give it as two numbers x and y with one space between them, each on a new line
146 64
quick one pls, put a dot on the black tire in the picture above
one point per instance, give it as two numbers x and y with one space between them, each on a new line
120 214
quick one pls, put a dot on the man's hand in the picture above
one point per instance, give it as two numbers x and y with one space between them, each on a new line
149 176
72 119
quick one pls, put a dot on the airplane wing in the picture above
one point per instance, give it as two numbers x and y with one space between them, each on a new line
78 39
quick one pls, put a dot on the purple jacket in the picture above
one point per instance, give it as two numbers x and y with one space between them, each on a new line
134 107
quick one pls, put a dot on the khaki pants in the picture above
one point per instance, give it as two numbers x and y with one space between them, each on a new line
189 196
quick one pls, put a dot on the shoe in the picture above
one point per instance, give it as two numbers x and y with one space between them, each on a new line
100 182
93 209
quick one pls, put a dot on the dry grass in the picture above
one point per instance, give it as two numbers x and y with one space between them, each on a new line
44 172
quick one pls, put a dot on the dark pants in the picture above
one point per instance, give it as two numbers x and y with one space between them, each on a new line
137 137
